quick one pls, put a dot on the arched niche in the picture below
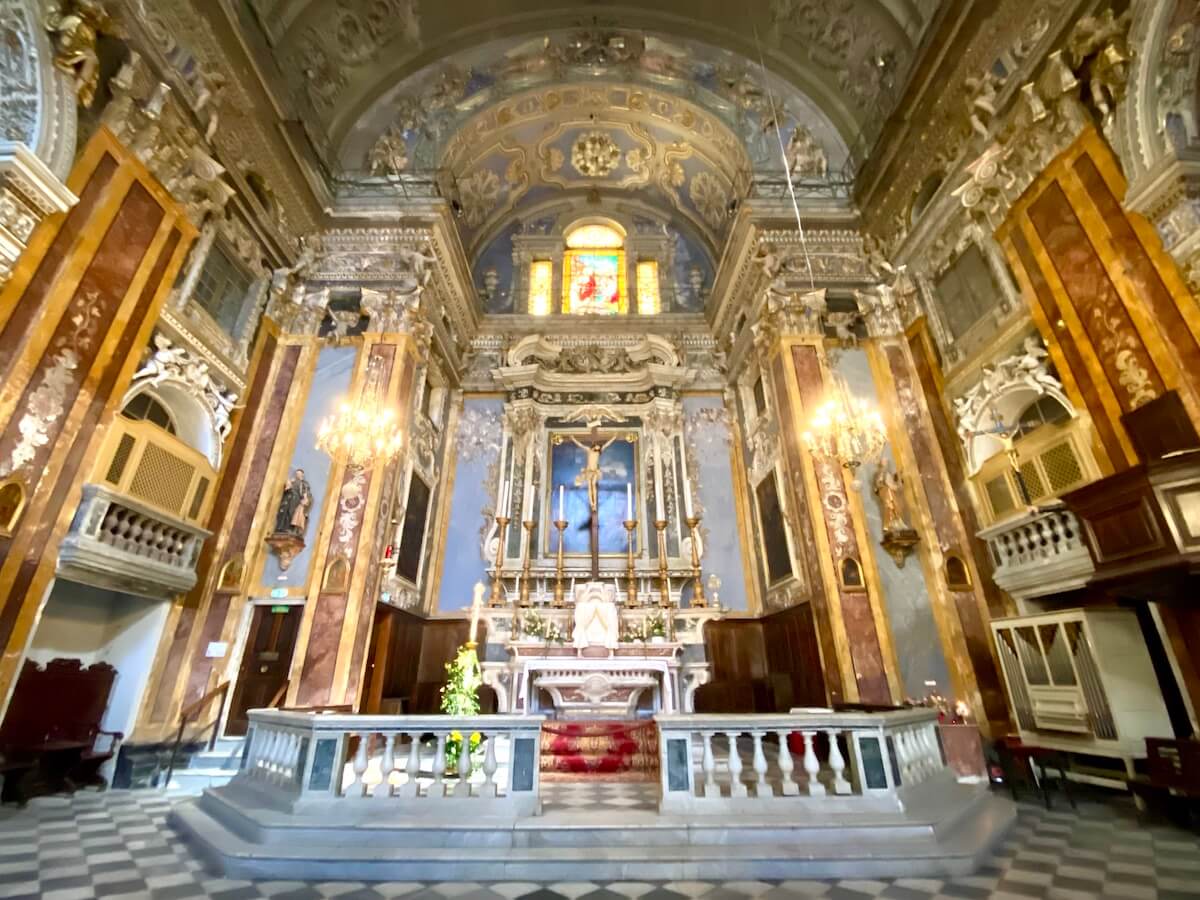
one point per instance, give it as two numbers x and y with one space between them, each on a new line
193 419
1008 404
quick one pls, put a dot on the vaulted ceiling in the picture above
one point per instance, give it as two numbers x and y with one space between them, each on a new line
847 59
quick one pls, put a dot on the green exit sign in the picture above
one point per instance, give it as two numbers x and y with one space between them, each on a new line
282 608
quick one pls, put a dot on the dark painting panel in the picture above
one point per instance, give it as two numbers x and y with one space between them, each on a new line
779 561
408 565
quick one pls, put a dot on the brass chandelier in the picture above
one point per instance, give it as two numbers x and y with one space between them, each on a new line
845 428
364 432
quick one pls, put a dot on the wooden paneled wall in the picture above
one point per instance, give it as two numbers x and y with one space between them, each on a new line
764 665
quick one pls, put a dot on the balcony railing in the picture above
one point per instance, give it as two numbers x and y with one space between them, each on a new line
120 542
1039 553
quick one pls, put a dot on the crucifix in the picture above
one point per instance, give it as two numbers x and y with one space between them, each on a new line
589 475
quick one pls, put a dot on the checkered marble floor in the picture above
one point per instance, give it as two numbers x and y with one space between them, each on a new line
117 845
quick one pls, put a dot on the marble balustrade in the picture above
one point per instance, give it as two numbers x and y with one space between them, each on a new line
1039 553
850 760
306 760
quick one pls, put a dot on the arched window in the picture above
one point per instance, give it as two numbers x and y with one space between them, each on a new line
145 408
594 278
1043 411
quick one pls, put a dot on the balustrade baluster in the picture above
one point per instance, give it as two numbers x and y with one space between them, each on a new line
412 768
787 766
360 765
837 763
273 756
760 766
490 766
463 787
709 767
438 788
736 787
386 763
811 765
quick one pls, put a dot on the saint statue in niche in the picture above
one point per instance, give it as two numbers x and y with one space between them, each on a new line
292 516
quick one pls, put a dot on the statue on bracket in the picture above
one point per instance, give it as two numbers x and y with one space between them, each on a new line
291 519
899 537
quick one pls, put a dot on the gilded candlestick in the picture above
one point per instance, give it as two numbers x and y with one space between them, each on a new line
525 578
631 591
699 601
664 580
560 589
496 598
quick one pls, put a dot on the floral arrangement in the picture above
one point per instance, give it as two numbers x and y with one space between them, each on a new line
533 625
460 697
949 712
651 626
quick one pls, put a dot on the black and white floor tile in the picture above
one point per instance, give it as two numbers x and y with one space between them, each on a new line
118 846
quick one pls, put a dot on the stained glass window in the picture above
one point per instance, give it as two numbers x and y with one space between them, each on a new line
648 302
594 282
595 237
541 275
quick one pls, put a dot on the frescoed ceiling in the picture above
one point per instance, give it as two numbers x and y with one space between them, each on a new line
849 58
677 107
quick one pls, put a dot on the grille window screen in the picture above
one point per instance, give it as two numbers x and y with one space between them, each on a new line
967 291
116 468
162 478
1061 466
222 289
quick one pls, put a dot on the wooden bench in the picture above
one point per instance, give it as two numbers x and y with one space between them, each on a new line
48 741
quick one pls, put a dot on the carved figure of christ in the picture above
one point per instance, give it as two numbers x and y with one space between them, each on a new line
589 475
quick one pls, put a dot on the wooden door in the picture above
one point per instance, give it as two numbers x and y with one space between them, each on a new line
265 662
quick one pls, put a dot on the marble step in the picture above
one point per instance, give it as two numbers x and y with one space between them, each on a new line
817 850
192 780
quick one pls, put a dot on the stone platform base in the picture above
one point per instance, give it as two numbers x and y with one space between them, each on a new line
946 835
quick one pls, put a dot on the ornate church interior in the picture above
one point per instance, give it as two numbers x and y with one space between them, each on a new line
536 448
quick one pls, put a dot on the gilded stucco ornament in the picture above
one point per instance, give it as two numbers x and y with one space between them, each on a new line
76 28
49 399
177 365
595 154
144 116
710 198
19 82
805 157
388 156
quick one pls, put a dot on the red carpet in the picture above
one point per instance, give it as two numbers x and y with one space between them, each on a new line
601 751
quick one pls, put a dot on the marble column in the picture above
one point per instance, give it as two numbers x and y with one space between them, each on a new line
331 649
830 525
78 308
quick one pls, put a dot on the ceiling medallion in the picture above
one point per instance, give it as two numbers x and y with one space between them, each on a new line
595 154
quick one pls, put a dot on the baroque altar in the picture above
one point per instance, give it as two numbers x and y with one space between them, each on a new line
597 604
606 667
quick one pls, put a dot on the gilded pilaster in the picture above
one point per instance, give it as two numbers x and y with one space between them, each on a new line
331 646
1117 317
960 610
79 306
842 579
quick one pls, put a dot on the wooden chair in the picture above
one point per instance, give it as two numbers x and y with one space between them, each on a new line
49 738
